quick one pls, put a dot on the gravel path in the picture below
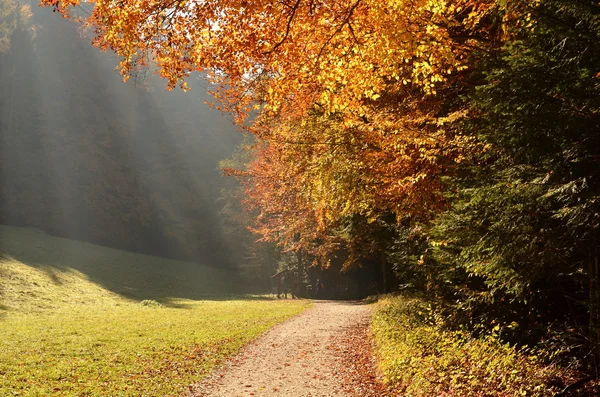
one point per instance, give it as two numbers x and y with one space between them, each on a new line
296 358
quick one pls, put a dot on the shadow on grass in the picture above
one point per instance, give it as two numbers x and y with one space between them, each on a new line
130 275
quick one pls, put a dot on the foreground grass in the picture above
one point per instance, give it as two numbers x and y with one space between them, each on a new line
418 357
128 350
77 319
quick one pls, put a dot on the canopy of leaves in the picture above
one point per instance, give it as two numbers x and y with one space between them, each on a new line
292 54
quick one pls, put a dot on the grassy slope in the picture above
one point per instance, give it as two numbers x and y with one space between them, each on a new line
39 271
72 323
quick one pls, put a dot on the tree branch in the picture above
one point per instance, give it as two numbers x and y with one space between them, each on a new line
574 386
288 27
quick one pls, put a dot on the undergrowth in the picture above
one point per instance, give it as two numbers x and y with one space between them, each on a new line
418 357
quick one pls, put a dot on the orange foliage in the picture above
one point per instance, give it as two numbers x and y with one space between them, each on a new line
294 54
349 116
309 177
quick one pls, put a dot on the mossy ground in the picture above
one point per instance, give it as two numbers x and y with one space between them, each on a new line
82 320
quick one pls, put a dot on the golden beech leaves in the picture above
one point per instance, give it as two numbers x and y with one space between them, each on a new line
291 55
308 177
348 95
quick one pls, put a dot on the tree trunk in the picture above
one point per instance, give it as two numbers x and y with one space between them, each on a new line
299 259
594 302
384 280
596 310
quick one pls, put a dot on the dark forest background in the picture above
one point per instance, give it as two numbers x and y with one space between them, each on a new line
84 156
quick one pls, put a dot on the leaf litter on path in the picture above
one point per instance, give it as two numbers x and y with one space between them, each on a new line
323 352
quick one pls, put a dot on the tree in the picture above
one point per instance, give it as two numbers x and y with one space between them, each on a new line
255 261
335 53
525 218
13 15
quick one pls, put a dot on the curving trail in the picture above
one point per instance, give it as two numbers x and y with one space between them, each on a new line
298 358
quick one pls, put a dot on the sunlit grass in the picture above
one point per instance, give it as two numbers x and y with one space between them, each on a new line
128 350
39 271
66 331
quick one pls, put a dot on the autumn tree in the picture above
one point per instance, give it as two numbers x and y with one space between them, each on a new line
254 260
351 120
335 53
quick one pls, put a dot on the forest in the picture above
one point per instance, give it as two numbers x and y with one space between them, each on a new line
136 174
445 152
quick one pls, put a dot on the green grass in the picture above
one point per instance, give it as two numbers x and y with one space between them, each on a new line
82 320
39 271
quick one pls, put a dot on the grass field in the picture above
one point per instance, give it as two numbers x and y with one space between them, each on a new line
82 320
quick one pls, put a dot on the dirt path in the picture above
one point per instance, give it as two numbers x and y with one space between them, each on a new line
296 358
